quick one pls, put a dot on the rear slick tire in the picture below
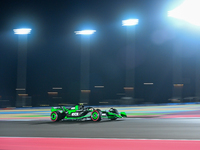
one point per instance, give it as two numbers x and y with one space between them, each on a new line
56 116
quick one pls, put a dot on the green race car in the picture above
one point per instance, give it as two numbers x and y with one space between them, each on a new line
79 112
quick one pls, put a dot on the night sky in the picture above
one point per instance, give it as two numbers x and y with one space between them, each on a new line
54 50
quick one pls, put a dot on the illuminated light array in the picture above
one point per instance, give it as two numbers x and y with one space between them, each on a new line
20 89
87 32
175 100
57 88
148 83
23 94
128 88
52 93
188 11
44 105
85 91
127 98
99 86
178 85
85 103
11 107
22 31
103 102
130 22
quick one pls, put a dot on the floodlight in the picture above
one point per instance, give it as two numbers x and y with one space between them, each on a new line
130 22
188 11
22 31
148 83
85 32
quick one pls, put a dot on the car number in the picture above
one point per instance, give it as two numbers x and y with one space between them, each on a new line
74 114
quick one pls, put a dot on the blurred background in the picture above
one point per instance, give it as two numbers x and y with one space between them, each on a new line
153 61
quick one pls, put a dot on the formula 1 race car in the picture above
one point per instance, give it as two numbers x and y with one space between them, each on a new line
79 112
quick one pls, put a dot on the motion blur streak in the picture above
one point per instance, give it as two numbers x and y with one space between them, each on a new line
85 32
22 31
97 144
130 22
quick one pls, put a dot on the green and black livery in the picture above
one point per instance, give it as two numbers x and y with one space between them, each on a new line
79 112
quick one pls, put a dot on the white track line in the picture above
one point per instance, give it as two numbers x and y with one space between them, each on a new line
108 138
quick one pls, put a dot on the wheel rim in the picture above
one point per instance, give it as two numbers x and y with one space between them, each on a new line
95 115
54 116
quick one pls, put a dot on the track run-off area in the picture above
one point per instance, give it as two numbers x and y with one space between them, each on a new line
147 127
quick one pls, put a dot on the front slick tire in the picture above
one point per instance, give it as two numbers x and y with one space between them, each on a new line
56 116
96 115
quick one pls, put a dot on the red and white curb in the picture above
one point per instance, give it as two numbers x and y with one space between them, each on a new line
24 143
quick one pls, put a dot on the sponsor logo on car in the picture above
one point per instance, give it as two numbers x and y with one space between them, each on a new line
103 114
74 114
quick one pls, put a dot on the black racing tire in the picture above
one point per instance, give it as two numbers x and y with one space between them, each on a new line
57 116
96 115
99 110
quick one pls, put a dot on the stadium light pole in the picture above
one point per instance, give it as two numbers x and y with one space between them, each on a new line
85 65
22 65
130 56
189 12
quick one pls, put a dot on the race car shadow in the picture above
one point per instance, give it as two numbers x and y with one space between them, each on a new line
74 122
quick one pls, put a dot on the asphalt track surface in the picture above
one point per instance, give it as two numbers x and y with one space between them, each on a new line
127 128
